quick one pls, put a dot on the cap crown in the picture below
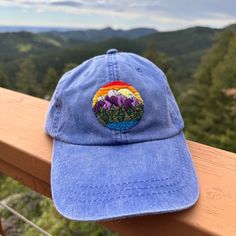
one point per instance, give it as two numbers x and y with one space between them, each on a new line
71 117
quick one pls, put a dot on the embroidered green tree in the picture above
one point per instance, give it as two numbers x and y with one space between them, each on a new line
138 112
111 113
121 114
104 116
130 113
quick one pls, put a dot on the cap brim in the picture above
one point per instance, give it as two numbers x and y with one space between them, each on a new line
91 183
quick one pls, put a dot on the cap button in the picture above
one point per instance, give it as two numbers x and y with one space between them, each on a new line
112 50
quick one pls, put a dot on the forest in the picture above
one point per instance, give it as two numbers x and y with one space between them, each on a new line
200 64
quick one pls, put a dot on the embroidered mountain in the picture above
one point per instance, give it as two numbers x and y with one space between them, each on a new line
120 108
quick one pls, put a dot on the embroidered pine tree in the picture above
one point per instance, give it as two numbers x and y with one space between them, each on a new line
121 114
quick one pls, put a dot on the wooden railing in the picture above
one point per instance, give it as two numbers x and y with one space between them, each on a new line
25 155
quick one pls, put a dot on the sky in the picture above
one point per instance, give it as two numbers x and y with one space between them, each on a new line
163 15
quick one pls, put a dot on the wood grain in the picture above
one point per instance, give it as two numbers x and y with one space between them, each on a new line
25 154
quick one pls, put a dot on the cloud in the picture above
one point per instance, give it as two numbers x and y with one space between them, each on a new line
177 8
65 3
165 15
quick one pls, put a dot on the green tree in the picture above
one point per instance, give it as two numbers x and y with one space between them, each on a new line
49 83
160 59
26 78
213 58
210 103
3 79
69 66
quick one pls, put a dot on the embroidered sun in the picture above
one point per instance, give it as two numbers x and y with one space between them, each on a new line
118 106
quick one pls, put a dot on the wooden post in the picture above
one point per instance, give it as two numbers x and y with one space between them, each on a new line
1 228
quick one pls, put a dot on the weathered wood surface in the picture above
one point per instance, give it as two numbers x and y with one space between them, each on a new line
25 154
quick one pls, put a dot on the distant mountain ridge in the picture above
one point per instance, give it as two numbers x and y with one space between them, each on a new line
96 35
33 29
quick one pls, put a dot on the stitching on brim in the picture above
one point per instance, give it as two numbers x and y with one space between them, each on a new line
129 189
146 194
140 181
133 195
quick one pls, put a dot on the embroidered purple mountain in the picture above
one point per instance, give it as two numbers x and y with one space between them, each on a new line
116 99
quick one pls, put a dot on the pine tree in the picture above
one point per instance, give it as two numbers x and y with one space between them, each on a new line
166 64
49 83
213 58
26 78
69 66
3 79
211 105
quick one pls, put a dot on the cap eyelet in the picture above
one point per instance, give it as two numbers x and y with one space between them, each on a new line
139 70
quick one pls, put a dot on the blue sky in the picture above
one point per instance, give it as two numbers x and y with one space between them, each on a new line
160 14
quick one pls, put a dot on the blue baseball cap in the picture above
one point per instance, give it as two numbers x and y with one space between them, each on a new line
118 143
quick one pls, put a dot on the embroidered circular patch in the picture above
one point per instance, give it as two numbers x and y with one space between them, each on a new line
118 106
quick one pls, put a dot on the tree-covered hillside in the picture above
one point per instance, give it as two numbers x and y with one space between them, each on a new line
209 105
55 49
22 44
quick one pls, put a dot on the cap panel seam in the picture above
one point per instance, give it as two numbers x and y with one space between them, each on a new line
115 67
122 135
172 104
56 117
113 76
116 77
58 105
110 68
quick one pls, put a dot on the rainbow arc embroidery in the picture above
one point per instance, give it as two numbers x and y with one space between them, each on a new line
118 106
